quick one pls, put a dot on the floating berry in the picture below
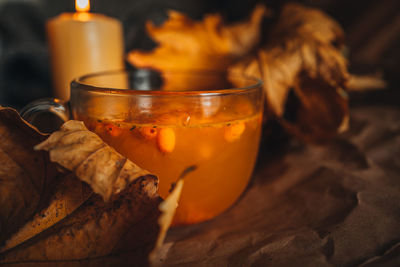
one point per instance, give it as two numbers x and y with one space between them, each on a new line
166 140
113 129
148 132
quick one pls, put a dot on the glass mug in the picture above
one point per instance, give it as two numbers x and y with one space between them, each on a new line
165 126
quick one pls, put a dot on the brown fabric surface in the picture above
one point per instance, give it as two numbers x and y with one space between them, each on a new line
329 205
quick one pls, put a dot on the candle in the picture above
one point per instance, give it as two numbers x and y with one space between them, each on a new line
82 43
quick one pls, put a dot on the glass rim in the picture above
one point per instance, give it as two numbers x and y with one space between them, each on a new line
78 84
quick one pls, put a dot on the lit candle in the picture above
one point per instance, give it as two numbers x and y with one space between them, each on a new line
82 43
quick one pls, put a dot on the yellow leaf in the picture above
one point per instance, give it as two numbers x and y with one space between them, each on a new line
203 45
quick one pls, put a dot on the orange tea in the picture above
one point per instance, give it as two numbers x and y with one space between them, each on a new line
223 155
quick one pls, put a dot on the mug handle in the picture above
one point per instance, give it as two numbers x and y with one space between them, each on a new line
55 106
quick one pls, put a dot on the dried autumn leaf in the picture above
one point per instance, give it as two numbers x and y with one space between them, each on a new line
319 113
25 175
206 45
99 229
68 195
79 150
127 224
303 57
168 209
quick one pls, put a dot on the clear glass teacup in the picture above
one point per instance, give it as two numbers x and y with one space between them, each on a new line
166 123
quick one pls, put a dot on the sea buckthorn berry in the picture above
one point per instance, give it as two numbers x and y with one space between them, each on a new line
234 131
166 140
148 132
112 129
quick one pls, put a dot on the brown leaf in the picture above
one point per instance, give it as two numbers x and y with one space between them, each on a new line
99 229
303 56
79 150
25 175
127 224
320 111
205 45
69 194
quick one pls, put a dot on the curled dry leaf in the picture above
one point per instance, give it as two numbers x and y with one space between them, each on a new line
77 149
127 224
25 175
304 73
208 44
168 209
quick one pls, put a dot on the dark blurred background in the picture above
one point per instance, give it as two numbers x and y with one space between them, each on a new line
372 28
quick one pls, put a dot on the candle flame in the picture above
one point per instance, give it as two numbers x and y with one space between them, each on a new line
82 5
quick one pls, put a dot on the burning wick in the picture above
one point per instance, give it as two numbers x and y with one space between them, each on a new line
82 5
